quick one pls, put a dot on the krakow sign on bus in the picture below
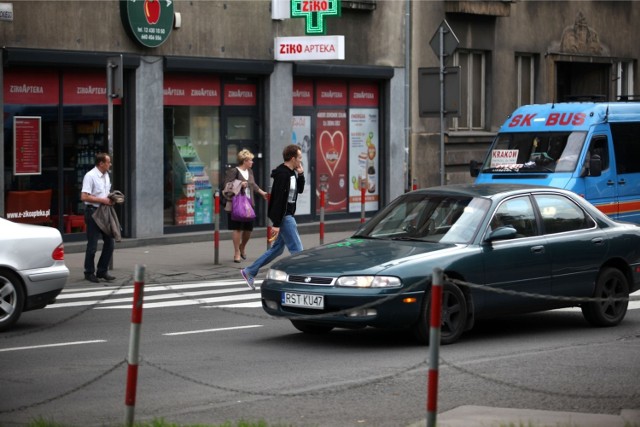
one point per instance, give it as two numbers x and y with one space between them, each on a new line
314 46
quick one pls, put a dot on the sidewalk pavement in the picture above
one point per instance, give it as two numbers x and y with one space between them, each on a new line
191 257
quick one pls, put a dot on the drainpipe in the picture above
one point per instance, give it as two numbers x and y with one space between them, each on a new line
407 93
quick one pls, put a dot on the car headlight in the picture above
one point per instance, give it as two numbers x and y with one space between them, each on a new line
278 275
369 282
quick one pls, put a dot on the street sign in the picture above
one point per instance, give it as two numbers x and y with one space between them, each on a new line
450 41
429 92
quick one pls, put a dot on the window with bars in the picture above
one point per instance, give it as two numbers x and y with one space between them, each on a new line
472 90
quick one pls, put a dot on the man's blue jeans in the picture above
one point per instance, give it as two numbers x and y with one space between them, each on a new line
288 237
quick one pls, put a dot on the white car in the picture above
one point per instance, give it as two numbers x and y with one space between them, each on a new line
32 269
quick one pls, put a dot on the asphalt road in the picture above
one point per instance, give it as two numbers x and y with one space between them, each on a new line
210 354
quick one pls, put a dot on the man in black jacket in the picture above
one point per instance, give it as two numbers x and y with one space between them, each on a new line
288 182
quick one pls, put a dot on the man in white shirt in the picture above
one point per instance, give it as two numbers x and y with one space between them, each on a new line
96 186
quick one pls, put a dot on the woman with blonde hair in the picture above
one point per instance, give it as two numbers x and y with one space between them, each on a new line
242 230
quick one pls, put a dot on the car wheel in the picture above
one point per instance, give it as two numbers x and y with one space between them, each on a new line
611 283
311 328
11 299
454 316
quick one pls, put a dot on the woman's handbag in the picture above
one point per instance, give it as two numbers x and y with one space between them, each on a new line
241 209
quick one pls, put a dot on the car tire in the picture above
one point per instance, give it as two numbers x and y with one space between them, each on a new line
311 328
611 282
11 299
454 316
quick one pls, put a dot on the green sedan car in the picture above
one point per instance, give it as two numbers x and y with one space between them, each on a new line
496 243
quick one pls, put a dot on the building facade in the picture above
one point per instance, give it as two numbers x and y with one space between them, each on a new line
200 82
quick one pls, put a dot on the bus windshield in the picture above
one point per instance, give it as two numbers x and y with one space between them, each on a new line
535 152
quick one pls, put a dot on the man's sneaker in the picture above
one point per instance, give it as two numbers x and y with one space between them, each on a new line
248 279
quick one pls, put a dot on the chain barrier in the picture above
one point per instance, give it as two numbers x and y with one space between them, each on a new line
356 385
631 397
67 393
540 296
380 301
69 318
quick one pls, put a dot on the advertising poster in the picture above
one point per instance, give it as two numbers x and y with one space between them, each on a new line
301 136
27 153
331 155
363 159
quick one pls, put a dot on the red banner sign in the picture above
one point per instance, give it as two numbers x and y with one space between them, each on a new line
363 95
331 155
86 88
240 94
191 90
30 87
303 93
331 94
27 146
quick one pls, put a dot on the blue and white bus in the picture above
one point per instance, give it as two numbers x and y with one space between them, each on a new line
590 148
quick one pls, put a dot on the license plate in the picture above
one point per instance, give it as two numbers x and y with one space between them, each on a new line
293 299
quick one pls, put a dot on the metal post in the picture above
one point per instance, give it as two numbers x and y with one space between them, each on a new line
441 105
134 345
216 232
415 184
434 346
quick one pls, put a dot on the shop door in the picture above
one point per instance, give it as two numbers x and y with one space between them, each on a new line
239 132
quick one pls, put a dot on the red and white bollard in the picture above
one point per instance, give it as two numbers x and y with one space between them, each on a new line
269 242
323 192
434 346
134 345
414 187
363 192
216 232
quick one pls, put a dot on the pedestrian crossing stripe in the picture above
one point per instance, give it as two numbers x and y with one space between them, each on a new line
174 295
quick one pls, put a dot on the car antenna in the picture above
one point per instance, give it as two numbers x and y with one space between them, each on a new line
606 113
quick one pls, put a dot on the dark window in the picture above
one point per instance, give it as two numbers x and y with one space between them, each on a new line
626 144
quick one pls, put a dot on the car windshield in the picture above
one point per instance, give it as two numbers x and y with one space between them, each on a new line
535 152
428 217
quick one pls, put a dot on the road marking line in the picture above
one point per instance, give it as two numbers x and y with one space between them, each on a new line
183 302
149 297
52 345
212 330
127 290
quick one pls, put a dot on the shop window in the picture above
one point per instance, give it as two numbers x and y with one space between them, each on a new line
192 145
472 90
67 152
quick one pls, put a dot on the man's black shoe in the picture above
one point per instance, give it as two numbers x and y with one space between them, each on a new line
91 278
106 276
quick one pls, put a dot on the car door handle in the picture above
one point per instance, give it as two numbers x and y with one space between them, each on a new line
598 241
622 182
537 249
610 183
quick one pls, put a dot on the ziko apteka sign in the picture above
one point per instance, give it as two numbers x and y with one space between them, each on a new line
308 48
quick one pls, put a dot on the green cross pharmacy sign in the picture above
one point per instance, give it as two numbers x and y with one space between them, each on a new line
314 13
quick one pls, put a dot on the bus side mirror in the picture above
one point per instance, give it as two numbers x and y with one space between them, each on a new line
474 168
595 165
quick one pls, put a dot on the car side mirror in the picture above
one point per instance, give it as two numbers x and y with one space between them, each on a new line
501 233
595 165
474 168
